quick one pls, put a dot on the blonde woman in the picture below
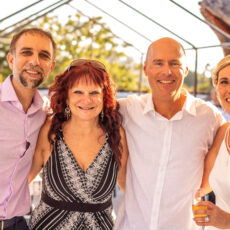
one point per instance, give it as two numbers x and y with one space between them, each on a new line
216 175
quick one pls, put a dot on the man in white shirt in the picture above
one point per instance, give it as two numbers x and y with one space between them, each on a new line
169 133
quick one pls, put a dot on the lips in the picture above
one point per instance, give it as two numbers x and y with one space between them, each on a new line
85 108
32 72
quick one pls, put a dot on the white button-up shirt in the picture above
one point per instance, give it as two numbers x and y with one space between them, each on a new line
165 163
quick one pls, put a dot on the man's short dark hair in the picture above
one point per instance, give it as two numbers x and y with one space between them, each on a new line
32 31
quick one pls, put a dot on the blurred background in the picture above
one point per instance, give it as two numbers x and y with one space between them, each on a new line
118 33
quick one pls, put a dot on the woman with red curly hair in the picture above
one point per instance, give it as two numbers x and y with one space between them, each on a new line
82 149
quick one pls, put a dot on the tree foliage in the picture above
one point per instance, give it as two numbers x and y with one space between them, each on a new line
83 37
4 69
204 84
90 38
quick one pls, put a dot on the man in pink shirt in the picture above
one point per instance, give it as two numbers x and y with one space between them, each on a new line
31 59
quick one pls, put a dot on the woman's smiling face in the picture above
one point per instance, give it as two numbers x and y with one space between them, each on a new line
223 88
85 100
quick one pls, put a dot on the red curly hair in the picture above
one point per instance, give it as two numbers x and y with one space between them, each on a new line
58 93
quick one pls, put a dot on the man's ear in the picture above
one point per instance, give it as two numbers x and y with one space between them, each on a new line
186 71
10 59
53 66
144 68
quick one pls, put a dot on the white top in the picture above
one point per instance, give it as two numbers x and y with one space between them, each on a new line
219 179
165 162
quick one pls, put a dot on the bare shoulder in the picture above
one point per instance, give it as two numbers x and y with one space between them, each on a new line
227 135
222 130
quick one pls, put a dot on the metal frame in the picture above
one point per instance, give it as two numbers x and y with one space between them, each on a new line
19 11
193 47
30 21
142 54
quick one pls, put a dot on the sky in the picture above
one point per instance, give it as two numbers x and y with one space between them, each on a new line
164 12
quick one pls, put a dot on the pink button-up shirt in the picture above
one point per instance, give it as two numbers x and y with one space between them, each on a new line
18 131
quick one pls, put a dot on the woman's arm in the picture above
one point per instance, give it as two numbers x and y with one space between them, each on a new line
42 149
121 178
211 157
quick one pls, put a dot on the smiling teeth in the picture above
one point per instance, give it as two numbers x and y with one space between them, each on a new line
166 82
228 99
32 72
85 108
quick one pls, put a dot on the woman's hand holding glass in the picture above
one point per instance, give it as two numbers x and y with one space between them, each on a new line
200 208
216 216
208 214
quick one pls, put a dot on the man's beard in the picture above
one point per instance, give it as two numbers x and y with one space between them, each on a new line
30 83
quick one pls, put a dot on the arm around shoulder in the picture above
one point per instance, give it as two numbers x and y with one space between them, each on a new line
42 150
121 179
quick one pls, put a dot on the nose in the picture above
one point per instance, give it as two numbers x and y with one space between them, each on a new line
34 60
167 69
88 98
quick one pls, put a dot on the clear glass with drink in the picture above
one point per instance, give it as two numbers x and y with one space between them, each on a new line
199 195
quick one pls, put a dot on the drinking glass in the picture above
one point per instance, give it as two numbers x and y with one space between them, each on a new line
199 195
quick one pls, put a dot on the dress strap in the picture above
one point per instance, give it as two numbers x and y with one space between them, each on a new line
227 141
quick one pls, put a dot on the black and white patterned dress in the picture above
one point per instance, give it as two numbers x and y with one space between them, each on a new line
65 181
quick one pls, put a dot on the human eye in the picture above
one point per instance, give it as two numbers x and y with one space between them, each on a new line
44 55
223 82
26 52
175 64
95 92
158 63
77 92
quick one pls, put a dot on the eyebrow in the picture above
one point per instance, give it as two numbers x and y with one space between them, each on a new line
25 48
157 60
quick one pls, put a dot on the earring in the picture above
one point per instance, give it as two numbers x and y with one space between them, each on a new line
67 112
102 115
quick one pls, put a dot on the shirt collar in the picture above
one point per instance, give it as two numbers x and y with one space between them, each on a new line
188 106
148 107
8 94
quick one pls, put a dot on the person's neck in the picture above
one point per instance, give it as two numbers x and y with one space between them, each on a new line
84 128
169 108
25 95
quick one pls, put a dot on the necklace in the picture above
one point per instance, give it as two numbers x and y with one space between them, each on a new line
227 145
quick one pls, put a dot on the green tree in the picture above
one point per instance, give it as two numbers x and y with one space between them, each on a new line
204 84
82 37
4 49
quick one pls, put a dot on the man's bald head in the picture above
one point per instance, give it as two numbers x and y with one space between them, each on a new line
166 68
167 43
